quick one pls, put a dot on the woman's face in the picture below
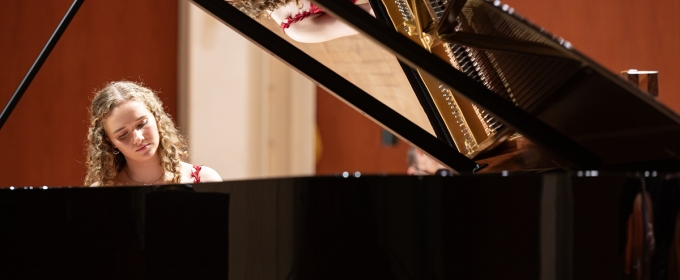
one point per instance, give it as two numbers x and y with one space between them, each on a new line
132 129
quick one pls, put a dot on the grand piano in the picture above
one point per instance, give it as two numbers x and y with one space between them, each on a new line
594 195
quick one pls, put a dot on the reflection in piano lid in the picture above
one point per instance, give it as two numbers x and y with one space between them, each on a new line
526 100
533 70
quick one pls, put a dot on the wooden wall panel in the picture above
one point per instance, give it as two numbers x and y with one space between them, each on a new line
621 34
351 142
43 141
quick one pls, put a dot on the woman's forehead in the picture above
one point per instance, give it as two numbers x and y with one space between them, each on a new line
125 113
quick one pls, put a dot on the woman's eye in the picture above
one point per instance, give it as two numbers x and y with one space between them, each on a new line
142 124
122 135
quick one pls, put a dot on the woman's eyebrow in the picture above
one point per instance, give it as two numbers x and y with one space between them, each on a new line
116 131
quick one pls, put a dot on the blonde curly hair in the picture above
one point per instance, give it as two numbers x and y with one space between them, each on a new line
102 164
257 9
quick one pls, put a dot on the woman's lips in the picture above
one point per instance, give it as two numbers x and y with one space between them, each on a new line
143 147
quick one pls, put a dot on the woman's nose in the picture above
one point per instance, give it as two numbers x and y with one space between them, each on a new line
138 136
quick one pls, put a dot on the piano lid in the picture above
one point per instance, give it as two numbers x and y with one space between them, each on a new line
480 74
370 67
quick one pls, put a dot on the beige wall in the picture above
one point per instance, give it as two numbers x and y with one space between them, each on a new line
245 114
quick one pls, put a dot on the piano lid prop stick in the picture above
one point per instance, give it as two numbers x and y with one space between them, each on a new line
39 61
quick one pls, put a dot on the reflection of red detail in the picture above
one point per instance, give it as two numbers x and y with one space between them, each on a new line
195 175
640 241
313 10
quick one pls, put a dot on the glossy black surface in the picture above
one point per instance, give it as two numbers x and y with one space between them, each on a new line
113 233
372 227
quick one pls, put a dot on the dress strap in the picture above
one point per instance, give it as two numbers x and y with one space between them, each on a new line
195 174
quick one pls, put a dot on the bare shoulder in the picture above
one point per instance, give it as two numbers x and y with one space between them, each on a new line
96 184
206 174
209 175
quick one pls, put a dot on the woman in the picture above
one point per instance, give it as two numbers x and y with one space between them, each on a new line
301 20
132 141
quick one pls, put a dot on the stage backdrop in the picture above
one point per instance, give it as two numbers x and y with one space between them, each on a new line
43 141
